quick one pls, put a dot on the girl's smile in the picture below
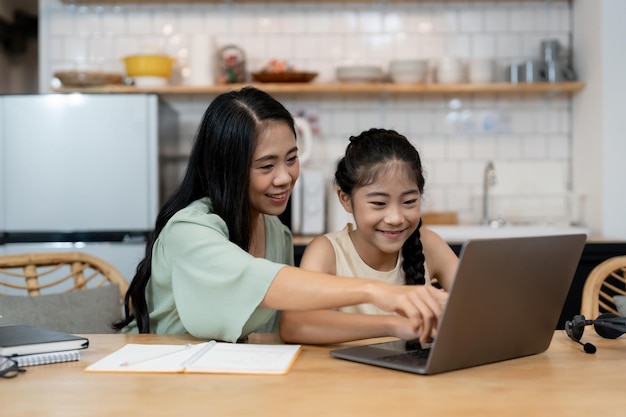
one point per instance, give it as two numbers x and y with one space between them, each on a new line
387 212
392 234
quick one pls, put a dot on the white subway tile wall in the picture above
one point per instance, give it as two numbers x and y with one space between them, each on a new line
528 137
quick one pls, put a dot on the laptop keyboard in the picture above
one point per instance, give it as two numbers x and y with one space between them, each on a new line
414 357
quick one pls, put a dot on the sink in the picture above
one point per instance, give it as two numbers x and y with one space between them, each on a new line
461 233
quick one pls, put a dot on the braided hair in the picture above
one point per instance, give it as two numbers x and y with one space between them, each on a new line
365 155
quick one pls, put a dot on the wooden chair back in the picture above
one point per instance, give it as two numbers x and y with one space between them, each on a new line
606 280
32 273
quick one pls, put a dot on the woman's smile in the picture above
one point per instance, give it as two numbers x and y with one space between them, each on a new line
279 199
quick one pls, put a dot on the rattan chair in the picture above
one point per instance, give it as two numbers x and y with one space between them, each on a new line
603 282
70 292
34 273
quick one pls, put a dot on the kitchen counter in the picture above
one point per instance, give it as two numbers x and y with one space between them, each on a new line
597 249
462 233
455 234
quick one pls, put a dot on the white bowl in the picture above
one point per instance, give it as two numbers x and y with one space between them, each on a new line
408 65
150 81
359 73
408 77
408 71
450 70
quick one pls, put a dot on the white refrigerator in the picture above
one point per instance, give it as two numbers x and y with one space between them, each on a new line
81 172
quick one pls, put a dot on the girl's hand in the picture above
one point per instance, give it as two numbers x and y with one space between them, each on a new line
403 328
421 305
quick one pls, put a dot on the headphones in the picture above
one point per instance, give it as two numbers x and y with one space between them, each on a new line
606 325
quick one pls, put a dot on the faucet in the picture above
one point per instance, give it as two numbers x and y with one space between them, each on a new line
489 179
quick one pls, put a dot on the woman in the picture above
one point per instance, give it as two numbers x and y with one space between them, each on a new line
217 263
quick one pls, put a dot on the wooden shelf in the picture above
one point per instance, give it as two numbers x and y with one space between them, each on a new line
345 88
236 1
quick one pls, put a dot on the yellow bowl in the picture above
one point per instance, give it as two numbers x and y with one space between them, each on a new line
148 65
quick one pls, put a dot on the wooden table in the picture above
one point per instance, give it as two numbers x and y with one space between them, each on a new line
564 381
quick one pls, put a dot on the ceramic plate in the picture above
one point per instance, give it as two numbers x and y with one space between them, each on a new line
88 78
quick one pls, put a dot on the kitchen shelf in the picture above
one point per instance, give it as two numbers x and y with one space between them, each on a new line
236 1
344 88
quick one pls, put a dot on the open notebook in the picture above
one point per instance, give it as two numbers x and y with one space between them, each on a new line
505 303
209 357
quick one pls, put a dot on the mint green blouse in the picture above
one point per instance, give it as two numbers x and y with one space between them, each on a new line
205 285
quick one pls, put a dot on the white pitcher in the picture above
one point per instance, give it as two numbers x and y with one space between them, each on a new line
304 136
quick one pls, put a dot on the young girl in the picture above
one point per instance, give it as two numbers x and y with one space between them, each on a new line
217 264
381 183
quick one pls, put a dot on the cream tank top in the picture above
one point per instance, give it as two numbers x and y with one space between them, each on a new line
350 264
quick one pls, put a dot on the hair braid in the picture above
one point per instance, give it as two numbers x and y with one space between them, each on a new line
413 259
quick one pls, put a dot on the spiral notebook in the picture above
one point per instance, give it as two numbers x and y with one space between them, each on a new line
47 358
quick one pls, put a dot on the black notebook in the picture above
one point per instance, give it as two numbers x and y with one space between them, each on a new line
28 340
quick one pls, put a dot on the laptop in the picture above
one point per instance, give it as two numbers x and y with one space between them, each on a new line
505 303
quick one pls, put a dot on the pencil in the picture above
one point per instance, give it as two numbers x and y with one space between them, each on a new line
131 363
199 353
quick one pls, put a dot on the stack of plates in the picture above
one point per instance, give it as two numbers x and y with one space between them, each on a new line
359 73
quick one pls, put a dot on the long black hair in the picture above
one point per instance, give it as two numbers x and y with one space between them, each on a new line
218 168
365 155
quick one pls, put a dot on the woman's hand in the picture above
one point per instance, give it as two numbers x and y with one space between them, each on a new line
299 289
420 305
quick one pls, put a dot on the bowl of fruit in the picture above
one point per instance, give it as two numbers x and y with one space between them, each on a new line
282 72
